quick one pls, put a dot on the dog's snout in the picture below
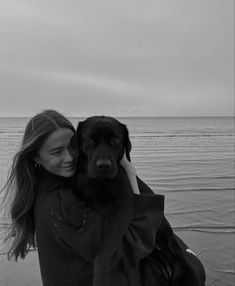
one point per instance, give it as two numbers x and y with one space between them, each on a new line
103 164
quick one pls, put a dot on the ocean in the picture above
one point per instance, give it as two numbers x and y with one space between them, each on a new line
190 160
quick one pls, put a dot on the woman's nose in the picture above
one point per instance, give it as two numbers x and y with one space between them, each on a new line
69 157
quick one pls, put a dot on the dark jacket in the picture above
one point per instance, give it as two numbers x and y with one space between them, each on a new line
171 262
69 233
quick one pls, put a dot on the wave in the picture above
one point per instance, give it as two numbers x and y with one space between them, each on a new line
176 178
209 229
201 190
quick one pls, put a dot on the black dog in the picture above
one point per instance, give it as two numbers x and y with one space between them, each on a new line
102 182
102 142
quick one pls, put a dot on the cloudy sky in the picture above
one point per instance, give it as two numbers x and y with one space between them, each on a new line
119 58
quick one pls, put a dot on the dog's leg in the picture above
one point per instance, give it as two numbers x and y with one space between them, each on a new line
110 244
119 224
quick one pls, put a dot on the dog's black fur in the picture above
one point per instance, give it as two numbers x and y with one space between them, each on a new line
102 142
101 181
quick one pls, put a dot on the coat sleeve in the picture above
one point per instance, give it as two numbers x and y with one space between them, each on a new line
79 229
145 189
139 240
148 212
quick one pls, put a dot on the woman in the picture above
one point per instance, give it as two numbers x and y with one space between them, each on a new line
68 231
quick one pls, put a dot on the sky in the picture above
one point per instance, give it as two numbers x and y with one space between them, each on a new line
117 58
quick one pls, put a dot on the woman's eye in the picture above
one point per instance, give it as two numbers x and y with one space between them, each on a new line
56 153
115 141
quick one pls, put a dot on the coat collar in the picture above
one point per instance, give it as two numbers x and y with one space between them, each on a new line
50 181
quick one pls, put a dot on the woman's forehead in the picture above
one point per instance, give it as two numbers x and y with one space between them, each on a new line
59 137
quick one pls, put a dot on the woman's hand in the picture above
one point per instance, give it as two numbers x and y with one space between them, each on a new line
131 173
127 165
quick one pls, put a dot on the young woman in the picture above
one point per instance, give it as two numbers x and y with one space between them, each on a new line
48 215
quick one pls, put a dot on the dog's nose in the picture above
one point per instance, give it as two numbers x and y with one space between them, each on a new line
103 164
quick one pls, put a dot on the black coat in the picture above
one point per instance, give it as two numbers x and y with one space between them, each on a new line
69 233
171 262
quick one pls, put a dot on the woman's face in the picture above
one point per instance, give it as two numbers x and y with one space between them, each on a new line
57 154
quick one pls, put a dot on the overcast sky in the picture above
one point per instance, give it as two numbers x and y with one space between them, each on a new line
119 58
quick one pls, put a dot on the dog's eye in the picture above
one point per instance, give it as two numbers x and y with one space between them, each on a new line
90 140
115 141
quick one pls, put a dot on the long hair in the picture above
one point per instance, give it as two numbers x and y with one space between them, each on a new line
22 179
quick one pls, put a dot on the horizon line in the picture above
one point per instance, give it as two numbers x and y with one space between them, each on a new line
134 116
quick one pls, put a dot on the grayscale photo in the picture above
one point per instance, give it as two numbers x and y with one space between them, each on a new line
117 155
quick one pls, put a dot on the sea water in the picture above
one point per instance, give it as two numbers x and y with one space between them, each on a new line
190 160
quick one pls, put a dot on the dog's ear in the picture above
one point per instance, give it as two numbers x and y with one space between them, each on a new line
126 142
79 136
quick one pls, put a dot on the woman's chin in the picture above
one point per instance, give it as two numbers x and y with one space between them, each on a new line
67 172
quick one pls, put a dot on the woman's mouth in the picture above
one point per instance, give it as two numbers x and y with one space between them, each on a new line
68 167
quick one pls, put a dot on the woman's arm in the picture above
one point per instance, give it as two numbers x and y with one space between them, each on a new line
131 173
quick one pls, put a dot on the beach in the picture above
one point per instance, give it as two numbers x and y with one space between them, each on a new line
190 160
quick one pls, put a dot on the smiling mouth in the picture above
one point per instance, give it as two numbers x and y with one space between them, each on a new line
68 167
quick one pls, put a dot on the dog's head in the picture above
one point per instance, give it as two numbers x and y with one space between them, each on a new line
102 142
